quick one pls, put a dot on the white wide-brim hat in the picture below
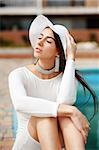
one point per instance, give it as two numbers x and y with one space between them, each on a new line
40 23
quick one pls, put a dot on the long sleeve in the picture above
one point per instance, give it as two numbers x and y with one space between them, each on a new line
30 105
68 87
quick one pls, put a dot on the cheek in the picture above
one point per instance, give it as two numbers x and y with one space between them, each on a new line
51 48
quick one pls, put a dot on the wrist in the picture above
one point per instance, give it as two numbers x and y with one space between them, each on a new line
71 58
75 111
65 110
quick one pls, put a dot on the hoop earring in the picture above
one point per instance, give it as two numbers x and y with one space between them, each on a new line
57 63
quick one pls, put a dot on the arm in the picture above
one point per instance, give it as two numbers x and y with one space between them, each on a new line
68 87
67 93
78 119
25 104
40 107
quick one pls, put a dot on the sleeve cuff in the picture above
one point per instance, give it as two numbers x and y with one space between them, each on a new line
55 109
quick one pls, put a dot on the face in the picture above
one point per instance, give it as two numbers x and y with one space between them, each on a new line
45 47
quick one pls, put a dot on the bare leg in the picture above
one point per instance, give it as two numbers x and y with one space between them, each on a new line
72 137
48 133
45 130
32 128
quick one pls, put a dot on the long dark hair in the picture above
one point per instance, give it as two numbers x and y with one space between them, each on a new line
77 73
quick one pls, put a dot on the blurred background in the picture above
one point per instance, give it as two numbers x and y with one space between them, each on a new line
81 17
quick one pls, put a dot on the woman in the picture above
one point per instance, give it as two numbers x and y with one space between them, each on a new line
43 93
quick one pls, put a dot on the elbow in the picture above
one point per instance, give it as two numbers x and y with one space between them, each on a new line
73 100
16 104
70 102
17 107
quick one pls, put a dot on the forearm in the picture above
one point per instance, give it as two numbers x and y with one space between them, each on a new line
35 106
67 92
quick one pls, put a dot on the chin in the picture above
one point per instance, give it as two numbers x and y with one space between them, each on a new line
38 56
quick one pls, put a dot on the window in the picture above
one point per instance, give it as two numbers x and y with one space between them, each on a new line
63 2
17 3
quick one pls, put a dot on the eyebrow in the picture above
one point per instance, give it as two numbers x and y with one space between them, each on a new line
48 36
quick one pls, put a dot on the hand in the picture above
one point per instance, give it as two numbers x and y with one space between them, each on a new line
64 110
71 48
78 119
80 122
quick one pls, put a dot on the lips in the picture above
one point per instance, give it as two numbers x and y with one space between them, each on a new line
37 49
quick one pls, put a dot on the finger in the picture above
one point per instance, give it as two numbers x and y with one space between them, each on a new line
71 41
86 121
71 38
85 132
86 125
68 42
68 38
77 123
86 129
84 136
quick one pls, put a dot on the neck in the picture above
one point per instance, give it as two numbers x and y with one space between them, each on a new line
46 64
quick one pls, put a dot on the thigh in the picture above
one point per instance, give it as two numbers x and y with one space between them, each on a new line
32 129
72 137
47 130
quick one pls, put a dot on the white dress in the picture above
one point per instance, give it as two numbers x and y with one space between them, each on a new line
32 96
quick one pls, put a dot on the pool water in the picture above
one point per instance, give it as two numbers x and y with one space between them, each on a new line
92 78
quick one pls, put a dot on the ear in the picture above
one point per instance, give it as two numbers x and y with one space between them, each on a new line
57 53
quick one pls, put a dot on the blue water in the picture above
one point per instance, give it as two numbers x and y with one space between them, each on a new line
92 78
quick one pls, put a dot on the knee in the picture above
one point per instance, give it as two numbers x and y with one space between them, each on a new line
49 125
46 121
65 122
41 123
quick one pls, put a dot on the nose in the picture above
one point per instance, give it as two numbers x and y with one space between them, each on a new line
40 42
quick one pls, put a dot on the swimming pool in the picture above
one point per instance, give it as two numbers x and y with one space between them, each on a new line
92 77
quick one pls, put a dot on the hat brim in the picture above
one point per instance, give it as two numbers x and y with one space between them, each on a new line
40 23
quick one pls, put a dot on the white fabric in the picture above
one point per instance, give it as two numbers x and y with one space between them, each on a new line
32 96
67 94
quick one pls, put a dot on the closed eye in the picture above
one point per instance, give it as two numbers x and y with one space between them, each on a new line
45 39
49 42
39 38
